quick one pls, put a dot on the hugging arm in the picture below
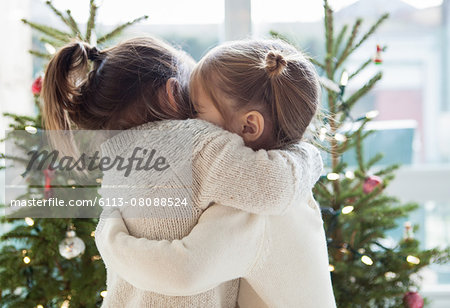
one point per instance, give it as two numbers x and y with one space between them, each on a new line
222 246
225 171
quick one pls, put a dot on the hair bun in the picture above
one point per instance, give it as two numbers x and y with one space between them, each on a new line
275 63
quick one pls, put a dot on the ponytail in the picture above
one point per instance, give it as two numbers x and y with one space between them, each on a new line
293 82
64 80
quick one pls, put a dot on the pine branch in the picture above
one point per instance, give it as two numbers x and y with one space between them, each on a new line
19 118
371 31
316 62
347 194
278 35
329 58
363 66
339 168
360 128
362 91
73 24
387 170
65 20
57 12
40 54
119 29
21 231
344 146
328 39
351 141
47 40
441 256
338 41
91 21
323 190
16 158
388 178
367 133
363 201
359 153
50 31
374 160
346 52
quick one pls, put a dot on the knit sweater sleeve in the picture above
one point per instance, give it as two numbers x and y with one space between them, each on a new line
189 266
225 171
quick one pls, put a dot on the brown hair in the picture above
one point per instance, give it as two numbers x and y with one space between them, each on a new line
270 76
122 87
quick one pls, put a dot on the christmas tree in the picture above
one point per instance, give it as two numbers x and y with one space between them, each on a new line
357 213
43 262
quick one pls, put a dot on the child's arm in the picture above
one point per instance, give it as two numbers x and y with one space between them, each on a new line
223 245
263 182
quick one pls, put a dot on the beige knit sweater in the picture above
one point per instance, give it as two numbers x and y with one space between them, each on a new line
224 171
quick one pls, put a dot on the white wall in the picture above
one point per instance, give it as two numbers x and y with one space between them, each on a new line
15 61
15 68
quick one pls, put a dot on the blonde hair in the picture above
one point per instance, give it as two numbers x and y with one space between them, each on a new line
270 76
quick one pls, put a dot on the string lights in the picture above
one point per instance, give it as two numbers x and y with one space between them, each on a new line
31 129
332 176
346 248
344 79
26 260
413 260
350 175
347 209
322 133
343 83
390 275
65 304
366 260
372 114
340 137
29 221
96 258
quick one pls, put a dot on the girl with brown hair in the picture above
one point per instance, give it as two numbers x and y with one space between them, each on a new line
141 88
267 92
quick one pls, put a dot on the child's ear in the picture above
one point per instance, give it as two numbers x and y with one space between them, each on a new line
172 88
252 126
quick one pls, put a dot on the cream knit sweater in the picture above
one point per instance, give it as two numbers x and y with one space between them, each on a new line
224 172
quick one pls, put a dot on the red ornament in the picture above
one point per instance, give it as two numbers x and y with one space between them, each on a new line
37 86
371 182
378 59
49 175
413 300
